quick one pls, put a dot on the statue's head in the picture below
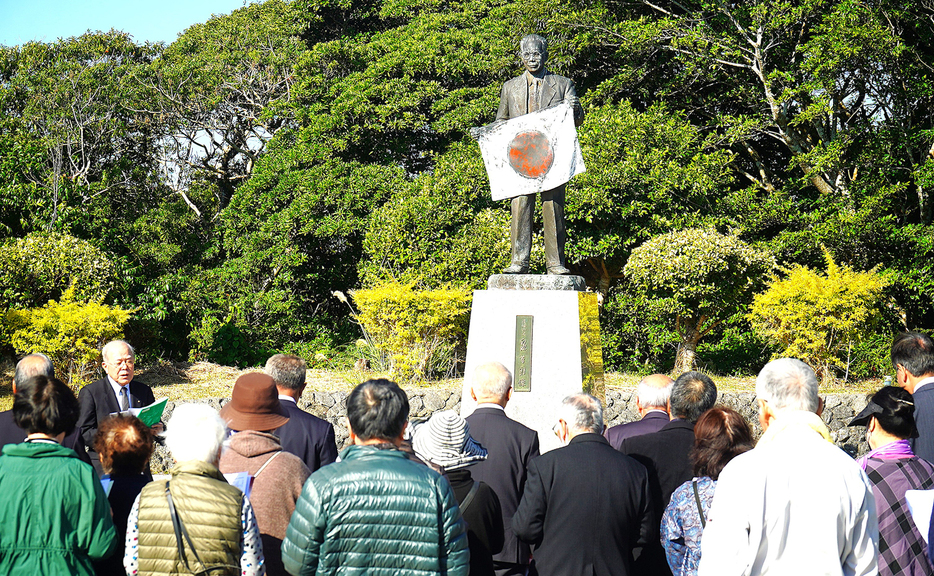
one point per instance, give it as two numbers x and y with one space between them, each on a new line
533 50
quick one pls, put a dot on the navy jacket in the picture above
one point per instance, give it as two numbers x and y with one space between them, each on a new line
665 455
510 446
307 436
923 445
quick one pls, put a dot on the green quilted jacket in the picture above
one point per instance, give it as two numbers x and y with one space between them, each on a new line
54 516
376 512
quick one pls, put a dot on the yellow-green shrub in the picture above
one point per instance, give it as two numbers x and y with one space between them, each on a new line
70 332
419 330
818 317
41 266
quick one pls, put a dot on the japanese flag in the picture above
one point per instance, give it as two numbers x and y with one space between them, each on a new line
534 152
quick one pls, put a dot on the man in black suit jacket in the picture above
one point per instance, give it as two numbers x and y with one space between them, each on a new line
305 435
537 89
913 359
510 446
665 454
652 403
10 433
99 399
586 507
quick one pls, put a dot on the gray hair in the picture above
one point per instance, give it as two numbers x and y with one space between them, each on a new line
788 384
692 394
540 40
650 395
287 370
33 365
197 432
492 380
583 413
105 351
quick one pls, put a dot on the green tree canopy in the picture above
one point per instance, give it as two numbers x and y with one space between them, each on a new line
702 276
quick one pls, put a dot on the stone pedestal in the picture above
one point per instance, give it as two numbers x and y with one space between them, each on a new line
548 338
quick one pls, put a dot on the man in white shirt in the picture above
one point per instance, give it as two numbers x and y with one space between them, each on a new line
913 360
796 504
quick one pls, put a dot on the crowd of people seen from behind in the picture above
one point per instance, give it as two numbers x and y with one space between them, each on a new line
259 487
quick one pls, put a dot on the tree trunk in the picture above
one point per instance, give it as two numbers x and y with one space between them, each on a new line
684 361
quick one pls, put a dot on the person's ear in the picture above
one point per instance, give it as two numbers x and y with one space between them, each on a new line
766 415
473 394
820 406
509 394
401 438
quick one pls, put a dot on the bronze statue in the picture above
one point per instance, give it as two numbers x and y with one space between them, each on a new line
537 89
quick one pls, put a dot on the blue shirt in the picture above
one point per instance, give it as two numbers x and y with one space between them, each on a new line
681 528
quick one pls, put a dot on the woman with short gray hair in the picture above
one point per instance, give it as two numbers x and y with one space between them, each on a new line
195 522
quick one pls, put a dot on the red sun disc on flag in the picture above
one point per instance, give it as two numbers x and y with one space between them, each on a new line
530 154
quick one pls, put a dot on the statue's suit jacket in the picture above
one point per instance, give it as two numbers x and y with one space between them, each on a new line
514 97
511 446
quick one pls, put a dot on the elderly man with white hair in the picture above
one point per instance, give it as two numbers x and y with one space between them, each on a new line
116 392
652 396
796 504
587 507
511 446
195 522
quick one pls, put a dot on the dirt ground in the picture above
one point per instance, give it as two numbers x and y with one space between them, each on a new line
183 380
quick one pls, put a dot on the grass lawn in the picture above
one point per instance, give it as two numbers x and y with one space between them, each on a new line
183 380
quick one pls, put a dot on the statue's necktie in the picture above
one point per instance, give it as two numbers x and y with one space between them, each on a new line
124 399
534 89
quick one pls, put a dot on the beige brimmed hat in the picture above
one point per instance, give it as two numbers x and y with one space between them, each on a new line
445 440
254 404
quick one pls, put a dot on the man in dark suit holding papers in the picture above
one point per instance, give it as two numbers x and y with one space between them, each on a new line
115 392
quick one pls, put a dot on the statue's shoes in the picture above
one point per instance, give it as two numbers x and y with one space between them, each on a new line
517 269
558 270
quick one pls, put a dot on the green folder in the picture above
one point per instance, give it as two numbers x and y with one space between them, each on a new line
152 414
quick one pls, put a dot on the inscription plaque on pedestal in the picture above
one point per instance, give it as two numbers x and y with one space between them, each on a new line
565 357
522 381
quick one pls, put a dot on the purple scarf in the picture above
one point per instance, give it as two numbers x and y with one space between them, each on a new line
891 451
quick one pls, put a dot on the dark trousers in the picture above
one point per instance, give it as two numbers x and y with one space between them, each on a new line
523 211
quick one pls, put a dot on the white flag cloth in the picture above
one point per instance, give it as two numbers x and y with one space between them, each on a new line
534 152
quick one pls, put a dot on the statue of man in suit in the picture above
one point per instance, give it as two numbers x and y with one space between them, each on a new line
537 89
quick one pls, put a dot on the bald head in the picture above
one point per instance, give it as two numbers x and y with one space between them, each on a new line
491 384
32 365
653 392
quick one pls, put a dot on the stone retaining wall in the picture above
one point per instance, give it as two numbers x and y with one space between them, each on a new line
620 407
